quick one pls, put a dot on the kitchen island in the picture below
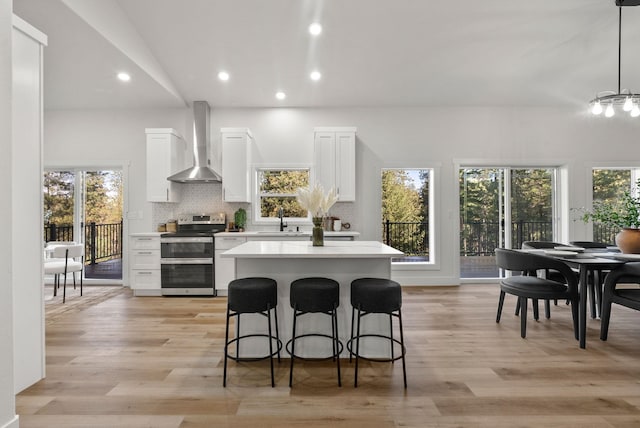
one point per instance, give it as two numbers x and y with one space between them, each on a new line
286 261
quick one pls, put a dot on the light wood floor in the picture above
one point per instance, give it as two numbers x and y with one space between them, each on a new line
128 361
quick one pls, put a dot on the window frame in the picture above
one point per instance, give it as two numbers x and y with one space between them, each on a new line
257 195
433 263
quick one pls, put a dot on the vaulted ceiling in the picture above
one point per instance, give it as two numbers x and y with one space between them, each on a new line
370 53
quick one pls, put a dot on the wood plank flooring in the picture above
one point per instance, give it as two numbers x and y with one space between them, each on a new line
124 361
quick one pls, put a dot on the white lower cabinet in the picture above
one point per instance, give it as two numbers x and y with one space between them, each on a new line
144 265
225 268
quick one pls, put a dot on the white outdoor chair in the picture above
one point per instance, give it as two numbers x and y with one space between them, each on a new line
51 245
66 259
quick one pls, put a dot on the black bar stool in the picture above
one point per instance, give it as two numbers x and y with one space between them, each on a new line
315 295
256 296
376 296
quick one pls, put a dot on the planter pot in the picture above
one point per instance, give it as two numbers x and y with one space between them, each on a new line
628 240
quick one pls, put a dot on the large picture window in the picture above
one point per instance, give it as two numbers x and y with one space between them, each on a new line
609 185
406 212
277 189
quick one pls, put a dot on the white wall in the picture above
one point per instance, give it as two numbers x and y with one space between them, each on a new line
8 417
111 138
28 299
387 137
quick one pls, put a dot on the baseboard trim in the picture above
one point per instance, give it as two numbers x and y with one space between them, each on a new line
13 423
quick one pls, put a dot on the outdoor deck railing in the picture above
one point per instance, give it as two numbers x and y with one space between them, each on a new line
477 238
102 241
412 238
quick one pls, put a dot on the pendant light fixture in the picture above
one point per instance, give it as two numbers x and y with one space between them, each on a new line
605 101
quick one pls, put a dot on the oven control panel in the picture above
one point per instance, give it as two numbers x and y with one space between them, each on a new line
217 218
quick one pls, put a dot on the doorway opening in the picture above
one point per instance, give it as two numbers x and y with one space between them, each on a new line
86 206
502 208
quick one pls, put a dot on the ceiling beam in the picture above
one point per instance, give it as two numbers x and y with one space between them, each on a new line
110 21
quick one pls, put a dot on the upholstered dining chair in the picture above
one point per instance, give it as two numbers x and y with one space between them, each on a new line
530 286
66 259
550 274
616 292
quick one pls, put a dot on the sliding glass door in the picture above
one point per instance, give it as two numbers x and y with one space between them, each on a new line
86 206
502 207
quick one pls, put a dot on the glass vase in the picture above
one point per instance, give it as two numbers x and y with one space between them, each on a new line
318 232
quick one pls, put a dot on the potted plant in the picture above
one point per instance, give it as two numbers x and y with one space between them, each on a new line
240 218
625 215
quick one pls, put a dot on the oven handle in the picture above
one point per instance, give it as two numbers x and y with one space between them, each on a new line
185 240
168 261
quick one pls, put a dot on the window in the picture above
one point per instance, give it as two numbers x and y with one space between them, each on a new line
502 207
406 211
277 189
609 184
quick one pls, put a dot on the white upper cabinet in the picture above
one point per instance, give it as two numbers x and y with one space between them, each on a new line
165 156
236 159
335 161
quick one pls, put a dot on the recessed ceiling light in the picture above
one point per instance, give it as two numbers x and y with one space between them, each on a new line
315 75
315 29
125 77
281 95
223 75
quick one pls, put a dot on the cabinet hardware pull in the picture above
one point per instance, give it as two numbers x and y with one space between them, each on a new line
144 273
144 252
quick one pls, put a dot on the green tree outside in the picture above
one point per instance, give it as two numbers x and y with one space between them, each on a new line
406 205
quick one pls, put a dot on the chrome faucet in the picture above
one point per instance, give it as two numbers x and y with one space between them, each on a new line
281 216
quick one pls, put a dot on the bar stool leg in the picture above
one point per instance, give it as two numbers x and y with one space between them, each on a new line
333 335
355 379
353 311
391 335
238 335
273 382
275 315
334 316
404 365
226 346
293 346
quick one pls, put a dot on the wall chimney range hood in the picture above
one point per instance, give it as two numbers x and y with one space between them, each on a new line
200 172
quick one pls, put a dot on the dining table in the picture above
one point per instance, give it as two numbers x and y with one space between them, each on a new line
586 262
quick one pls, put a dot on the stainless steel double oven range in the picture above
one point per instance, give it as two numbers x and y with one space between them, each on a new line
186 256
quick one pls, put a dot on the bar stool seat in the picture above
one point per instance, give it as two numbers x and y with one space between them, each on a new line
376 296
258 296
315 295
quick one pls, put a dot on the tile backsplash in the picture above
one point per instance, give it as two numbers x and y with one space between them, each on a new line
207 198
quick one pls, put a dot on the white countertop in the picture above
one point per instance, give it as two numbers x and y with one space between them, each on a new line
305 249
288 233
146 234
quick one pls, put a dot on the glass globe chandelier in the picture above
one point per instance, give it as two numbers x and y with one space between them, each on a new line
609 101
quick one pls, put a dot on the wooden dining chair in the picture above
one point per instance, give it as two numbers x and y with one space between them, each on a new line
530 286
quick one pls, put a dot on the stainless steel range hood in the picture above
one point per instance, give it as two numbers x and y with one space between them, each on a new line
200 172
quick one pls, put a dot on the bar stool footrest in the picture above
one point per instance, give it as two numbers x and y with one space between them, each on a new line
249 359
379 360
330 357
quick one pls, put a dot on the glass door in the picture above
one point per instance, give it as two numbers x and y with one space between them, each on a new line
502 207
86 206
